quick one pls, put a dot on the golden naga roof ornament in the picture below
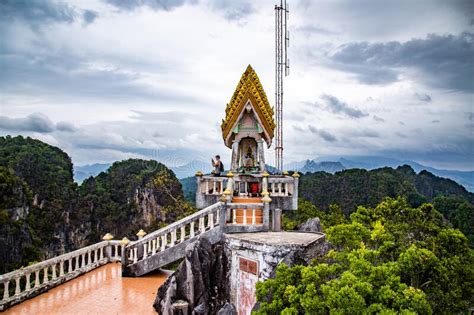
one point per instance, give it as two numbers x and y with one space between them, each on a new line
248 88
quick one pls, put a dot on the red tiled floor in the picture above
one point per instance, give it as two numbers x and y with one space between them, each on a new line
101 291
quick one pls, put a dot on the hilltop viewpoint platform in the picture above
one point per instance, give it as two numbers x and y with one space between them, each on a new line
100 291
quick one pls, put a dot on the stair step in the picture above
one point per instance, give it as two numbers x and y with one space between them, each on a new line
247 199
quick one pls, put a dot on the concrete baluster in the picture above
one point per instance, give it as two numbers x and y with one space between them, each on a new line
254 219
83 264
53 269
17 286
202 229
69 265
245 216
145 252
234 216
173 237
37 278
116 251
218 213
76 267
101 254
61 268
286 189
207 187
28 282
153 247
214 187
89 259
135 255
191 230
163 242
5 290
210 220
183 233
45 275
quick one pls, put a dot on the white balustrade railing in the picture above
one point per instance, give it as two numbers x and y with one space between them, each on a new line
173 234
29 281
212 185
281 186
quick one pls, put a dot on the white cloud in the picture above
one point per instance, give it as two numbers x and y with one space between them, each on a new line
153 80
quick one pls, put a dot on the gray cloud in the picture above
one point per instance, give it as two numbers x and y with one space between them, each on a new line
166 5
89 16
423 97
65 126
35 122
337 106
327 136
444 61
377 118
37 12
233 10
310 29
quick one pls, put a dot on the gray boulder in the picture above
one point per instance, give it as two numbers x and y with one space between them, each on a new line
311 225
200 281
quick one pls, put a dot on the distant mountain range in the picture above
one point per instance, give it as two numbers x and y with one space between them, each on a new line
82 172
465 178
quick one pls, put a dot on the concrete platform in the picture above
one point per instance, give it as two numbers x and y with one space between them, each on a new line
101 291
277 238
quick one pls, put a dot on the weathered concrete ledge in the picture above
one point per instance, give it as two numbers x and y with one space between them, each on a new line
221 276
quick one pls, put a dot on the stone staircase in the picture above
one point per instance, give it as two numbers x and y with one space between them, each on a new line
168 244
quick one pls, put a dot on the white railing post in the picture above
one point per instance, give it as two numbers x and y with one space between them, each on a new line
61 268
210 220
135 255
37 278
5 290
53 268
145 253
254 219
183 233
163 242
45 275
28 283
202 228
234 216
245 216
17 286
173 237
191 230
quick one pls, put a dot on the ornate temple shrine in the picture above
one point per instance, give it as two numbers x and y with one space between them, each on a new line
247 128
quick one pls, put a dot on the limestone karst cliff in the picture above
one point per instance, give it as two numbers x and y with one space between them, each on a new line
44 213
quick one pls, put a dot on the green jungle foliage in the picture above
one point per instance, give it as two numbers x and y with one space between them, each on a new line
351 188
114 200
389 259
44 213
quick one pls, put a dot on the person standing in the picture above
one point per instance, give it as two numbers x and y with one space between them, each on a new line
218 166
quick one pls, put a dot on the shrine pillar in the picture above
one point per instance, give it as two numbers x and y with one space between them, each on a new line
260 153
235 156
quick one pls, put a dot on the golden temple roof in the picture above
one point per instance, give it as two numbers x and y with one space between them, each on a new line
248 88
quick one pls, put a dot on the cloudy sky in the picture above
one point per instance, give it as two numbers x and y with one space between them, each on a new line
111 79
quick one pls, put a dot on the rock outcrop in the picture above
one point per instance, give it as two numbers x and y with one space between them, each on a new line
311 225
201 281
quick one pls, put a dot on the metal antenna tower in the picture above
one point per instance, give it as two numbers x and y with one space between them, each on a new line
282 65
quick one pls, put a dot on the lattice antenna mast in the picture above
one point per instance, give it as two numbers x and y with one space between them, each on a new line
282 66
